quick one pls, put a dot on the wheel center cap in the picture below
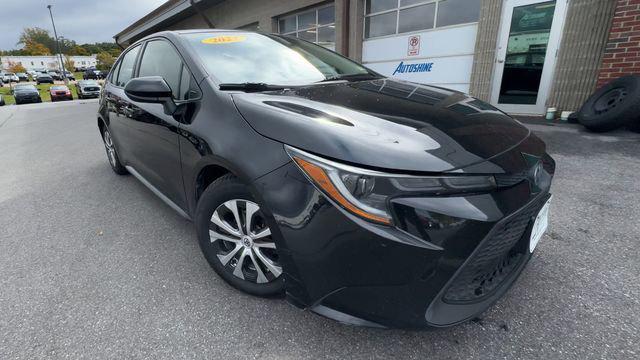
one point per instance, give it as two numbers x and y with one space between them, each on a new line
247 242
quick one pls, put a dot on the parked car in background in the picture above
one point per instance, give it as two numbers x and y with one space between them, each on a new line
55 74
92 74
9 78
60 92
22 76
32 73
44 79
87 89
69 75
26 93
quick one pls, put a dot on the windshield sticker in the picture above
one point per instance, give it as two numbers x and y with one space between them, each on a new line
224 39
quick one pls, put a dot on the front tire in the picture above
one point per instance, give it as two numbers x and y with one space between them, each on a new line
236 240
112 154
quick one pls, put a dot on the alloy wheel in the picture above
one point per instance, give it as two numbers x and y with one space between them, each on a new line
243 241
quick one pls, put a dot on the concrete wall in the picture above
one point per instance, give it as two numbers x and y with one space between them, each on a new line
583 42
485 53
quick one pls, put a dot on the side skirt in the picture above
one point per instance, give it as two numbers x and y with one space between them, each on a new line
158 193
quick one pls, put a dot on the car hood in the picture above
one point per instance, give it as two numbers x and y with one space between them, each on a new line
384 124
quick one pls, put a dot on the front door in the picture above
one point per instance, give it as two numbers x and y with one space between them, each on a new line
527 47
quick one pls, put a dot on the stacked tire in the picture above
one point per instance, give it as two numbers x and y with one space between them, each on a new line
614 105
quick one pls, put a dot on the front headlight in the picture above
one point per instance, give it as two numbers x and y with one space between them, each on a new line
365 193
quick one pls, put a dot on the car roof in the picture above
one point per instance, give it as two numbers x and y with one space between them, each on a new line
176 33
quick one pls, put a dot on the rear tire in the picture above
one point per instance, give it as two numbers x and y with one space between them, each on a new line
112 154
245 256
614 105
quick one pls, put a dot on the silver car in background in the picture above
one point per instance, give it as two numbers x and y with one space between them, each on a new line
88 89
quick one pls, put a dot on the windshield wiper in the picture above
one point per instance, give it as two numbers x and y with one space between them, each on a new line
250 87
352 77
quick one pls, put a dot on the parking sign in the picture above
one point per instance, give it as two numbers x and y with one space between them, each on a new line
414 45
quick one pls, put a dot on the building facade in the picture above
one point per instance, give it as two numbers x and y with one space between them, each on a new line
47 62
520 55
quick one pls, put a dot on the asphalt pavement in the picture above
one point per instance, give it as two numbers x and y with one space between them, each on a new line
93 265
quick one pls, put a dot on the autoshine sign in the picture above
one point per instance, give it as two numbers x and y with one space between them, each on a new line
442 57
411 68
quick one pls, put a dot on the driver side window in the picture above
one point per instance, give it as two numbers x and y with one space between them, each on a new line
161 59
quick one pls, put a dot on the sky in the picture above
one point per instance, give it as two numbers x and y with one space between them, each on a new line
85 21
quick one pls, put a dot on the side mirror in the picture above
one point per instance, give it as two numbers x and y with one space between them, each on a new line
151 89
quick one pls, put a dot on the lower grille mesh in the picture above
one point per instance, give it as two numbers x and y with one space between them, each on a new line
494 261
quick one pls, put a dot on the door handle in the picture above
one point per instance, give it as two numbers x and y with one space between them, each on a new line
500 61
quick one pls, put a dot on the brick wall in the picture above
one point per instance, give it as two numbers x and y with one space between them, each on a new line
622 54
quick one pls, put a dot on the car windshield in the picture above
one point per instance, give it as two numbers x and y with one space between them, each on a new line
9 74
59 87
88 83
24 87
245 57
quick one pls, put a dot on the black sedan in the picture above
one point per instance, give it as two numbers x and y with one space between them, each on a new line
69 75
92 74
44 79
22 77
365 199
26 93
87 89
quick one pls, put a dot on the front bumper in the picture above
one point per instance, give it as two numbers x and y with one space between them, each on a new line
435 268
28 99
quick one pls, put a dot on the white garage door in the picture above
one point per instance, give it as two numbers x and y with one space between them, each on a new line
424 41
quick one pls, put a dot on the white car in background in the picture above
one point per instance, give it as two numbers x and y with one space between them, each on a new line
8 78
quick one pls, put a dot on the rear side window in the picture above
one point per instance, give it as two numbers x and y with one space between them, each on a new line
125 73
161 59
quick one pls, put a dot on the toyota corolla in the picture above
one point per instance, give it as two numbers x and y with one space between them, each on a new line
368 200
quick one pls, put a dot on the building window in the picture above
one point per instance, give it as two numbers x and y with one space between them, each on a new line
41 62
32 63
315 25
389 17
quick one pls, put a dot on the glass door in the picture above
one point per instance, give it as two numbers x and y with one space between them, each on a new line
528 43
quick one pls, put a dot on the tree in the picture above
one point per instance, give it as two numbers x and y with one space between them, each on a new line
69 64
15 67
79 50
105 60
115 52
35 48
66 45
39 36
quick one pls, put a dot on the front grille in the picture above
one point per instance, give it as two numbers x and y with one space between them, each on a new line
495 259
91 89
